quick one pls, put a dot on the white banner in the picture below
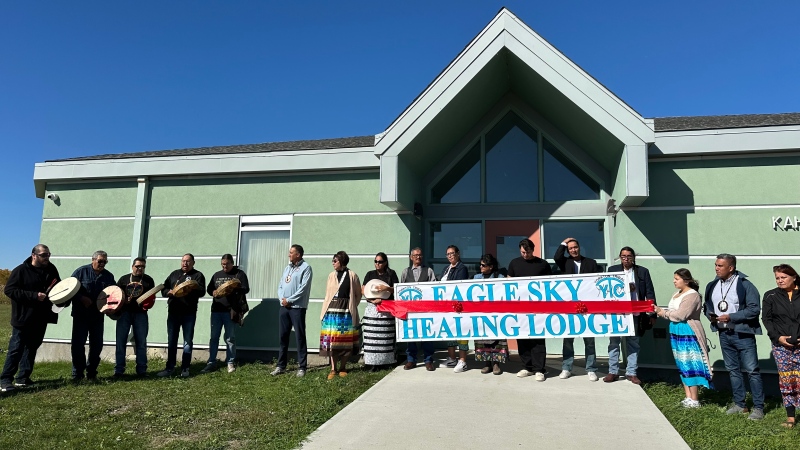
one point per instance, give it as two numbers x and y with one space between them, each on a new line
446 326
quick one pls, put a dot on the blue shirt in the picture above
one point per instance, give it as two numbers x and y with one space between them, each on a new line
295 285
92 284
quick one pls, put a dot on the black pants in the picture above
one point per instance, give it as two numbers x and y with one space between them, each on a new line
22 352
533 353
288 318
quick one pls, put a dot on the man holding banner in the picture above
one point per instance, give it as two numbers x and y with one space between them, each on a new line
532 352
576 264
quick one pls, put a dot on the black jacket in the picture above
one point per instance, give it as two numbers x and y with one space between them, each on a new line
781 317
23 287
567 264
644 284
644 291
188 303
237 300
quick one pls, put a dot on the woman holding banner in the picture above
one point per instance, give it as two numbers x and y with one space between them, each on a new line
378 327
339 331
687 337
456 271
492 352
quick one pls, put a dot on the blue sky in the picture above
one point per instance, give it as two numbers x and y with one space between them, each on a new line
86 78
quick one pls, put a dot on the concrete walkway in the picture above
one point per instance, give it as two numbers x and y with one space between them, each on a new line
412 409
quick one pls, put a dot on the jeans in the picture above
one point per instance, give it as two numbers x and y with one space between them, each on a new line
140 325
176 322
218 321
288 318
568 351
21 353
427 350
83 326
632 344
740 354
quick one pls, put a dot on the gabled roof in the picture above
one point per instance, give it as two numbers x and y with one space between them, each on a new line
720 122
507 32
318 144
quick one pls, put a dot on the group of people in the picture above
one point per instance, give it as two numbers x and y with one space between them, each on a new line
31 312
731 303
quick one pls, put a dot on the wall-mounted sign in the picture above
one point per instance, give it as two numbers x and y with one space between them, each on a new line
787 223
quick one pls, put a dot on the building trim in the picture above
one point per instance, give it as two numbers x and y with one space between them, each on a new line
728 140
707 208
70 219
213 164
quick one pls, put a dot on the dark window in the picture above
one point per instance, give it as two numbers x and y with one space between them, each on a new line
512 162
462 184
563 180
589 234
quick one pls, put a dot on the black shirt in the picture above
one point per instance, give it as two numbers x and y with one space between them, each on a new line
134 287
534 267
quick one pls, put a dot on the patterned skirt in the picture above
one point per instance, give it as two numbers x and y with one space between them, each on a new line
788 362
338 336
495 351
379 337
688 354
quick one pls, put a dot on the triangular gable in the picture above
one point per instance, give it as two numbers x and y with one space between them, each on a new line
508 32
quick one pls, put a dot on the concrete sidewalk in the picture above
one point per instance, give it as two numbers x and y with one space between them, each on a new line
415 409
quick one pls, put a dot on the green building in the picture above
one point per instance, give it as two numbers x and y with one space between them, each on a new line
511 140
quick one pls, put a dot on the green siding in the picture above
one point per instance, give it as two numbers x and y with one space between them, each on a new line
201 236
354 234
750 181
705 232
104 199
83 237
267 195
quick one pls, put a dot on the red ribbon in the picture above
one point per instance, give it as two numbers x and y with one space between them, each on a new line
400 309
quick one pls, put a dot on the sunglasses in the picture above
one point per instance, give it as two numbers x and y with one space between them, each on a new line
138 267
102 261
486 265
334 261
378 261
43 255
450 253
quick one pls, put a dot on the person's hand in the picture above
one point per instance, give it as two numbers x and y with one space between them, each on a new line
568 239
376 301
41 296
784 342
712 318
170 293
724 318
658 310
214 294
284 303
87 302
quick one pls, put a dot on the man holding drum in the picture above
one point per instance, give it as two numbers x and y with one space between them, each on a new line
133 315
228 288
183 289
86 317
30 313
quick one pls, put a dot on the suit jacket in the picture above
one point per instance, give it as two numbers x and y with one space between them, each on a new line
567 264
644 284
644 291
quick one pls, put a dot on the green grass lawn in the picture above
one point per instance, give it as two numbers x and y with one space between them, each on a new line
246 409
708 427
